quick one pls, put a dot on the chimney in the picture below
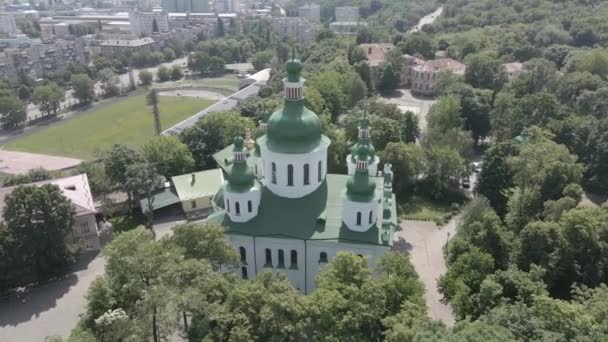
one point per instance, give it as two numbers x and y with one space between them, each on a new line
193 179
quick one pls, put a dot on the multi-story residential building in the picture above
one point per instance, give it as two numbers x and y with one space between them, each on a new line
7 23
347 14
144 24
424 76
116 47
227 6
40 59
310 11
185 6
85 232
295 27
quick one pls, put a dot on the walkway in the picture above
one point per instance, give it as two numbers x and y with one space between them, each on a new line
424 242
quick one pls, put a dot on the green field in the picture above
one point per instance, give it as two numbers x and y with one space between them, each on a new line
123 120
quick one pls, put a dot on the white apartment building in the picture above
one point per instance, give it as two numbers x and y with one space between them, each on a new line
310 11
7 23
145 24
227 6
347 14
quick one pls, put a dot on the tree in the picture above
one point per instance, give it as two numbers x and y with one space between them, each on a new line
389 80
365 72
109 81
261 59
116 161
205 242
31 176
220 27
25 92
444 114
496 177
163 73
486 72
39 219
145 77
169 156
48 98
135 267
83 88
142 179
212 133
12 112
99 301
176 73
411 130
357 89
329 85
444 168
407 161
168 54
399 281
152 99
419 43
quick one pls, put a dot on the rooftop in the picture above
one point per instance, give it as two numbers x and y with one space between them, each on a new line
375 52
75 188
132 42
198 184
313 217
441 64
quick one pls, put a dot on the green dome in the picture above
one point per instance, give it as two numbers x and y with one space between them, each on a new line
363 150
294 68
240 177
360 187
294 127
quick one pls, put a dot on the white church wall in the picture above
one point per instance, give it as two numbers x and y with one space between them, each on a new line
238 241
371 253
299 189
350 210
231 199
295 273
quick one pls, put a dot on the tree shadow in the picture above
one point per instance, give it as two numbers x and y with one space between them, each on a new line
30 302
402 246
393 94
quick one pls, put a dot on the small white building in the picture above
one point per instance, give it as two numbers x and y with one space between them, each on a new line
284 213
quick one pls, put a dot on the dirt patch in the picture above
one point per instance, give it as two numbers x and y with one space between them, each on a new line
13 162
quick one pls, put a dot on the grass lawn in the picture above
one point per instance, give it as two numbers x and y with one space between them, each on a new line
125 120
417 208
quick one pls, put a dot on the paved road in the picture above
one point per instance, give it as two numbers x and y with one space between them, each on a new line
424 242
406 101
55 308
427 19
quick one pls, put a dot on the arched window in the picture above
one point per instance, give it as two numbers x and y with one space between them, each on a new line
358 218
256 169
320 170
281 259
294 259
250 207
243 255
306 174
370 217
244 272
322 257
268 262
228 205
290 175
237 208
274 173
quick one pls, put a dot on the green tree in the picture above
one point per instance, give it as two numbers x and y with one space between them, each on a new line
40 219
109 81
146 77
389 80
411 130
31 176
84 89
48 98
357 89
329 85
205 242
163 73
152 99
444 168
261 59
484 71
12 112
168 54
444 114
407 161
116 161
169 156
99 301
142 180
213 133
176 73
496 177
419 43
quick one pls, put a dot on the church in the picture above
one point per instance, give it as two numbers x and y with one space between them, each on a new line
281 209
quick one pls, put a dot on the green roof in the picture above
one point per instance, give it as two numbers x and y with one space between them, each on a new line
198 184
224 158
317 216
240 177
293 129
162 198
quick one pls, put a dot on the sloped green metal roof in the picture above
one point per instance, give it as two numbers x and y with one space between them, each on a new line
198 184
223 158
313 217
162 198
